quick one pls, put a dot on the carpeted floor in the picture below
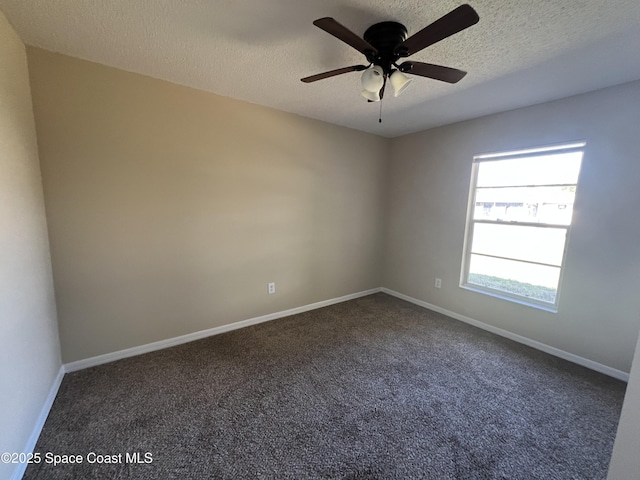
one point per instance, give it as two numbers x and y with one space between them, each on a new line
374 388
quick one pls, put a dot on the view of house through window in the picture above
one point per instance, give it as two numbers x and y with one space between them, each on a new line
520 213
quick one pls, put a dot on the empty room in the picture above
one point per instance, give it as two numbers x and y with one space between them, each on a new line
319 240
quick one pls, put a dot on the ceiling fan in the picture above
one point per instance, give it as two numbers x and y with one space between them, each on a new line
386 42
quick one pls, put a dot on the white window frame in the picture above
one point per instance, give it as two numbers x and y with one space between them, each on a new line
471 222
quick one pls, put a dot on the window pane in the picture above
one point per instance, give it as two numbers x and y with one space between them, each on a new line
553 205
533 244
555 169
523 279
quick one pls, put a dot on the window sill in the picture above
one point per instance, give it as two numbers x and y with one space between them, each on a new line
519 301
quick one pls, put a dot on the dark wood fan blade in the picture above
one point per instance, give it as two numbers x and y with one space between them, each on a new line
341 32
437 72
333 73
453 22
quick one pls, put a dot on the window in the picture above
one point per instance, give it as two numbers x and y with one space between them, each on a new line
520 210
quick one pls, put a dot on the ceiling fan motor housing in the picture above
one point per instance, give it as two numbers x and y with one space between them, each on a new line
385 37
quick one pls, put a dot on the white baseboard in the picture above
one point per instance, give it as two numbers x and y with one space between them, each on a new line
598 367
44 413
190 337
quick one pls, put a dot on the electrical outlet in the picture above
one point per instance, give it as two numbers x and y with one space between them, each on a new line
438 282
271 288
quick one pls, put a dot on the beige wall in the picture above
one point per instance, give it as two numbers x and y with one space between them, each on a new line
428 193
29 349
625 461
170 208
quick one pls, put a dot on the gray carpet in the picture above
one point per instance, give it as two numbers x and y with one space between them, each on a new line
374 388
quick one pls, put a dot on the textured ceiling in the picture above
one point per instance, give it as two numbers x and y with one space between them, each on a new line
521 52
